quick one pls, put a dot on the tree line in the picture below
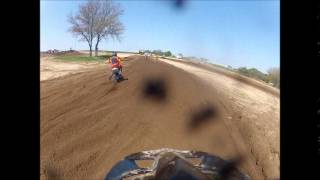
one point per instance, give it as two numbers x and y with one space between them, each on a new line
272 76
158 52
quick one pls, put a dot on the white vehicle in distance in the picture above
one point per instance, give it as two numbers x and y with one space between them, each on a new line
147 54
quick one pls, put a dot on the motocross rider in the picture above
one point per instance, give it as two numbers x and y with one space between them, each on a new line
115 63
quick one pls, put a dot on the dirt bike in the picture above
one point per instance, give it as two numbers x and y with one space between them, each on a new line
117 75
174 164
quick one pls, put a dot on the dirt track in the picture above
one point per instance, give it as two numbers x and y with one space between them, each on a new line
87 125
258 109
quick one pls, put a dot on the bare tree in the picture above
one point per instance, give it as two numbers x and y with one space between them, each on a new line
83 23
97 19
108 23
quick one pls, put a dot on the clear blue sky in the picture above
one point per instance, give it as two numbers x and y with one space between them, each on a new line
236 33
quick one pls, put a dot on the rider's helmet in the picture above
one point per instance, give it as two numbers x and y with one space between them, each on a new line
114 54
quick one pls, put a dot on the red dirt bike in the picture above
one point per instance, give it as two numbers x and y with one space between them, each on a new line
174 164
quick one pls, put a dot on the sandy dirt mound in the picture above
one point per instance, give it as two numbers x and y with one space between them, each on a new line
51 69
87 124
241 78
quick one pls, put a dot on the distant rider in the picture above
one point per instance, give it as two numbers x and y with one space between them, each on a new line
115 63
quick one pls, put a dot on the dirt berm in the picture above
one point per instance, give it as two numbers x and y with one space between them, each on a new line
87 124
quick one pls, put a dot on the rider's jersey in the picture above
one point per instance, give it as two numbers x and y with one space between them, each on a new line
115 62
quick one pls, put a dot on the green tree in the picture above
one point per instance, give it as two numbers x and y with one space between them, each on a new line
254 73
158 52
167 53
